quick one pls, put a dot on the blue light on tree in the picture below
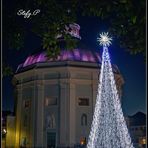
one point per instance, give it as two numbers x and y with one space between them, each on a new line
108 129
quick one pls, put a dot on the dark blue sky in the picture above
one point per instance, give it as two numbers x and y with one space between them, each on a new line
132 67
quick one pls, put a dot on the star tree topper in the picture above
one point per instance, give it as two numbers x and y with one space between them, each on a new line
104 39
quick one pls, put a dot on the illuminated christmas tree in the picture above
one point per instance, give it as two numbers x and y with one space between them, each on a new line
108 129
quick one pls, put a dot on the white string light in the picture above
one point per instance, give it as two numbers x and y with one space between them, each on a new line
104 39
108 129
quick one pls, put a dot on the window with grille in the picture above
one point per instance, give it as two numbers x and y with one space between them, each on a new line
50 101
83 101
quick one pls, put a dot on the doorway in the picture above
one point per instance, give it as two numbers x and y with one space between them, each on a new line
51 139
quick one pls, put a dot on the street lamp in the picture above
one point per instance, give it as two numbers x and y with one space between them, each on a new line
4 131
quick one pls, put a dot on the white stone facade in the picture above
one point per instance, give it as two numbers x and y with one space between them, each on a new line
55 103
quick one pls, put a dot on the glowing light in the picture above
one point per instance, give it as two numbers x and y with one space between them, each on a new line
108 129
66 55
4 131
104 39
142 140
83 141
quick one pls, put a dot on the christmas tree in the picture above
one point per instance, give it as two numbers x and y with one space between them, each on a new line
108 129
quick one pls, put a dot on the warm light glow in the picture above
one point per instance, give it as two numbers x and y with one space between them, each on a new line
104 39
142 140
82 142
4 131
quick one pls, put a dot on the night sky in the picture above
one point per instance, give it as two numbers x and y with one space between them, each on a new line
132 67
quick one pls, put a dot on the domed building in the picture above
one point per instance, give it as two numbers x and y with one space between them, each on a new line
55 98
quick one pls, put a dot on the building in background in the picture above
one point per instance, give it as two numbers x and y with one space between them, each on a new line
55 98
137 128
8 128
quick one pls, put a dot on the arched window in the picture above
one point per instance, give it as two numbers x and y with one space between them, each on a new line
84 120
50 121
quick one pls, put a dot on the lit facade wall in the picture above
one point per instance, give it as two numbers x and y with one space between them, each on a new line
48 103
10 135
